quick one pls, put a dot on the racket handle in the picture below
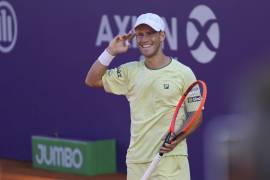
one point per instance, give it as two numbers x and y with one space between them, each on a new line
152 167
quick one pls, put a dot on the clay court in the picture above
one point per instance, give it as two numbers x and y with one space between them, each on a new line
23 170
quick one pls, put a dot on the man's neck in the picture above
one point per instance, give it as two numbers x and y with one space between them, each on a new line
157 62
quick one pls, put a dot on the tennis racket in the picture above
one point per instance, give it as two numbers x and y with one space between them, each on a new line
187 126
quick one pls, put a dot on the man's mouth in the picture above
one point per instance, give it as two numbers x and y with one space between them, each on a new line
146 46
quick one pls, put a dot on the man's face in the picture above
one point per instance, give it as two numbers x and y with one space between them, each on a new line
148 40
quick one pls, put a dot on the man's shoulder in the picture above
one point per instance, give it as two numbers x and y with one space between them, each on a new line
133 64
179 65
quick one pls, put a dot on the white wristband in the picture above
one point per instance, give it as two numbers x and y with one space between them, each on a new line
105 58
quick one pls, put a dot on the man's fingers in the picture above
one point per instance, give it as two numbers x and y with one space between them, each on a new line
119 38
124 37
167 148
127 36
127 43
164 149
130 35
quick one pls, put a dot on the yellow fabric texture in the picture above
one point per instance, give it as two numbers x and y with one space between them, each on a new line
169 168
153 96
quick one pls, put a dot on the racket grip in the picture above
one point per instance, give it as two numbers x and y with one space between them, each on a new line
151 168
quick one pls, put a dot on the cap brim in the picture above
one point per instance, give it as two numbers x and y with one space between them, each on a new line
148 24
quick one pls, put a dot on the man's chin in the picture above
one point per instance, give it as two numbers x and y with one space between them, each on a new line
146 55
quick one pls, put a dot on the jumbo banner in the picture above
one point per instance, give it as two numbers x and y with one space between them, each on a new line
73 156
47 48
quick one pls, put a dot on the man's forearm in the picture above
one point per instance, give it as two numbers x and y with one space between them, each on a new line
180 137
94 75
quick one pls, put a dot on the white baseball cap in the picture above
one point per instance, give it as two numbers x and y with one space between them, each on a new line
152 20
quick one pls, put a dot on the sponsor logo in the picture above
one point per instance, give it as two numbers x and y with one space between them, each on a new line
59 156
203 34
119 73
166 86
8 27
194 99
125 23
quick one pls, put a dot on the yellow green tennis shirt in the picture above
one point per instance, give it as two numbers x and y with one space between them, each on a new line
153 96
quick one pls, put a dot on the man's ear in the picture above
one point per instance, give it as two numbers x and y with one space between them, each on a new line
162 35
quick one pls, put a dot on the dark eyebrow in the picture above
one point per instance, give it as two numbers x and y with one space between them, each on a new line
152 32
148 32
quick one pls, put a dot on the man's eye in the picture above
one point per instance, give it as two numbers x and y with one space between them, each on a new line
146 34
139 35
151 32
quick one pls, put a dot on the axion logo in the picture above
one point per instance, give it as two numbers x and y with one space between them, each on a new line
203 34
8 27
124 23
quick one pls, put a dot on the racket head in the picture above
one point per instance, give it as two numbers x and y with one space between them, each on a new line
192 94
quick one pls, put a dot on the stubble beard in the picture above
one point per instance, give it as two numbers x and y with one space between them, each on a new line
154 53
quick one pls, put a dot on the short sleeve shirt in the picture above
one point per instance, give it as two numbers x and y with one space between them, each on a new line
153 96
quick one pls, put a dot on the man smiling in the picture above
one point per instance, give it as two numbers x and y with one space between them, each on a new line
153 87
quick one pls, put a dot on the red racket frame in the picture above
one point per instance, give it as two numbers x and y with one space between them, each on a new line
195 116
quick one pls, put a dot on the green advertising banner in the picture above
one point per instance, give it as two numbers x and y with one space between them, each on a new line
80 157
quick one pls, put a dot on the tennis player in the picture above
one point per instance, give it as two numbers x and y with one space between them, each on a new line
153 87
